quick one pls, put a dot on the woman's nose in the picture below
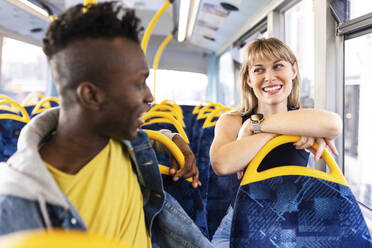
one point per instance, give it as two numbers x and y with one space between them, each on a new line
269 75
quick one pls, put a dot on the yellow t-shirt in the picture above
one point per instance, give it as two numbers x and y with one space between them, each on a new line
108 196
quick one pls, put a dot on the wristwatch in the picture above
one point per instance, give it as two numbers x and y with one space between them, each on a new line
256 120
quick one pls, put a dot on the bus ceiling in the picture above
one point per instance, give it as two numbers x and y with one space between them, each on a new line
211 25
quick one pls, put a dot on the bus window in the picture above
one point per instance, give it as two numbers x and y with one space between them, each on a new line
24 69
185 88
227 88
299 35
359 8
357 117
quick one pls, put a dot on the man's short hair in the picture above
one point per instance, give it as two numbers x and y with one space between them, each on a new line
103 20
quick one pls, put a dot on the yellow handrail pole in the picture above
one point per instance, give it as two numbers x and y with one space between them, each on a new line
157 58
148 31
89 2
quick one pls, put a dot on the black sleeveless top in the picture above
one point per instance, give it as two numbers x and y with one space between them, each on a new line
285 154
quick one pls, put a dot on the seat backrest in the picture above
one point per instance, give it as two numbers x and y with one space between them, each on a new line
295 206
11 125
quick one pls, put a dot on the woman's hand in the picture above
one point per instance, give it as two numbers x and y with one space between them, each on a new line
308 142
245 130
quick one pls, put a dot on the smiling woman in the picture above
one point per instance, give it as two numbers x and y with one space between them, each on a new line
270 90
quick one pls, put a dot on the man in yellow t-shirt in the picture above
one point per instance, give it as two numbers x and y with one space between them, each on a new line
95 191
100 72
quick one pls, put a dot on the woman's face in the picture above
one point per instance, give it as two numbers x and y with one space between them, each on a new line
271 80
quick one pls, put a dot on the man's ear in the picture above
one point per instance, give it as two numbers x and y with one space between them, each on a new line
90 96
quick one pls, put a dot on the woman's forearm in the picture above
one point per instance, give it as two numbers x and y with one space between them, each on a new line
304 122
235 156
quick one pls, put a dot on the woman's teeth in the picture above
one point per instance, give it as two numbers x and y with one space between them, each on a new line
272 88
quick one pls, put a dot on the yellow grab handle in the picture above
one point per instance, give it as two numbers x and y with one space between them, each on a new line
172 104
173 111
215 113
173 148
10 108
170 107
204 111
197 108
24 115
171 119
252 175
2 96
30 96
154 20
46 101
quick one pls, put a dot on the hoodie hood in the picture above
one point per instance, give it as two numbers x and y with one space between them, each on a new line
25 174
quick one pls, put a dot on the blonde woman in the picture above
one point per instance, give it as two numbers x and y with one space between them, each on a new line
270 106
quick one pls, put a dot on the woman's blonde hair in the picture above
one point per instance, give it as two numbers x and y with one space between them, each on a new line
270 48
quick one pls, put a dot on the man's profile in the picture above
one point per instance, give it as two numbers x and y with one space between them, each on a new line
86 165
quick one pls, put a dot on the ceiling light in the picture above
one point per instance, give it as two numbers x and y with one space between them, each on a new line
31 8
183 19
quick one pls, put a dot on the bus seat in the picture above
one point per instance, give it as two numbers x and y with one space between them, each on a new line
45 104
187 118
189 198
11 125
296 206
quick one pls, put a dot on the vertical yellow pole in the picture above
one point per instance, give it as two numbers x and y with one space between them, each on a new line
148 31
157 57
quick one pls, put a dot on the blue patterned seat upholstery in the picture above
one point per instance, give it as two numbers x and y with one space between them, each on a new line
293 206
11 124
9 133
189 198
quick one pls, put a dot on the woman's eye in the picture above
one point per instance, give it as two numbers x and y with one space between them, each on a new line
278 66
257 70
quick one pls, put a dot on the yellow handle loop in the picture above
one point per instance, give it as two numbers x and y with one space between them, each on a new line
24 115
173 111
252 175
172 104
204 111
157 58
10 108
197 108
171 119
30 96
170 107
148 31
2 96
44 105
215 113
173 148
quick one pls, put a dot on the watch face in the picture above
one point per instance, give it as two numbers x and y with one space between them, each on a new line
256 117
